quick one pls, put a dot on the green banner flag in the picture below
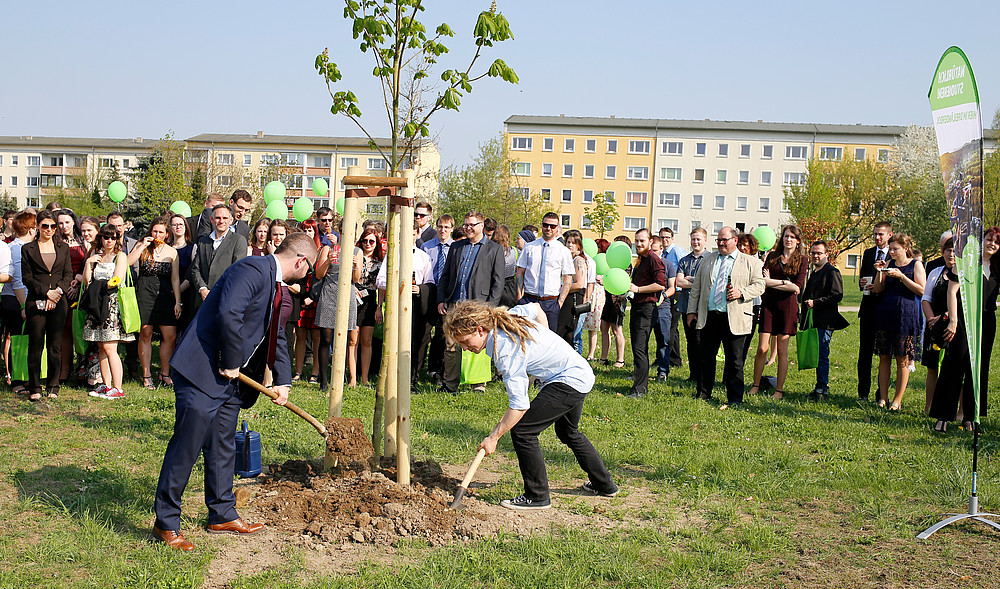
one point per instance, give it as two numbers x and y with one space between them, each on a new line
958 123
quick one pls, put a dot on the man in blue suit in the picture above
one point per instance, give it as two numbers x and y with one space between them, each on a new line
233 330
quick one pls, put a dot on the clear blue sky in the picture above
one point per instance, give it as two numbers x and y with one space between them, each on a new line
125 69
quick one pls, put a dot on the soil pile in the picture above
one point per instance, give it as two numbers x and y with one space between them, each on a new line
348 445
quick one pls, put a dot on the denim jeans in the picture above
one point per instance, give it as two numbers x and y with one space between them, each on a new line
661 329
823 368
578 334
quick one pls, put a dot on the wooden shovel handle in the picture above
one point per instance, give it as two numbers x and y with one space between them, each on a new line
472 469
289 405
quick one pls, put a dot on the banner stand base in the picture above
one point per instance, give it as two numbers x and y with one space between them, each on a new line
973 514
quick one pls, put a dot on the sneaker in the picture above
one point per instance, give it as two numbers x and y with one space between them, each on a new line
479 388
113 394
522 503
590 488
99 391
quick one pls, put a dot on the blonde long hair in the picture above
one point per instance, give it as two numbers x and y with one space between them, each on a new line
469 314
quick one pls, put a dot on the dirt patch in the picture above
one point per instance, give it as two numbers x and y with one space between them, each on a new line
347 445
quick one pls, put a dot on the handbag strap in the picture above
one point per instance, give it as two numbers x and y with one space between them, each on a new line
809 318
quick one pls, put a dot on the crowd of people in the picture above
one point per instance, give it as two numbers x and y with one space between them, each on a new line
60 274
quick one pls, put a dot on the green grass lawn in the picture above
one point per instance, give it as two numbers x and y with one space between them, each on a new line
780 494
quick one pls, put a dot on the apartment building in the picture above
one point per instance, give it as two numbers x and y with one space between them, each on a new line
676 173
34 169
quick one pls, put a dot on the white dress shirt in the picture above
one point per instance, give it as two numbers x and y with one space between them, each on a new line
422 269
545 282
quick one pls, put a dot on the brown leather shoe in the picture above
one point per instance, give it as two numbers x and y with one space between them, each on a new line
237 527
173 539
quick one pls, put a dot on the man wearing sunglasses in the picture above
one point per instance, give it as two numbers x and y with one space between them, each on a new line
721 305
545 271
422 215
238 328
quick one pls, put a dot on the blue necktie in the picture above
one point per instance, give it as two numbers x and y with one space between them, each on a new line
439 265
541 280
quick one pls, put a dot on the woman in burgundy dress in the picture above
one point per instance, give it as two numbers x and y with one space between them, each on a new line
69 228
785 276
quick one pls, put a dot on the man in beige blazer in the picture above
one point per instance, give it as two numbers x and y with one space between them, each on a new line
721 302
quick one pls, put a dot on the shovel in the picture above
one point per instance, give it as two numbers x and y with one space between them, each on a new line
289 405
460 492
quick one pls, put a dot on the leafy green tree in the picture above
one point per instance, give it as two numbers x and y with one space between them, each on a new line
157 181
923 215
198 192
991 182
487 186
603 215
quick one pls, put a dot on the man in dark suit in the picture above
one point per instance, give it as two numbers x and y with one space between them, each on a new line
474 270
201 224
823 292
869 301
422 215
216 252
238 327
240 203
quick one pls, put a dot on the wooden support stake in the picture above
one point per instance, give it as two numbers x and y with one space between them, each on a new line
405 336
390 342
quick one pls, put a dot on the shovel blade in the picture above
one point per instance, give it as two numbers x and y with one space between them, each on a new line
457 503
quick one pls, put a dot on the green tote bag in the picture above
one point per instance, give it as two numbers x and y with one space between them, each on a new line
807 344
128 305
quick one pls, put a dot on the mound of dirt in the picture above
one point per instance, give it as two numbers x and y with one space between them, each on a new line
348 445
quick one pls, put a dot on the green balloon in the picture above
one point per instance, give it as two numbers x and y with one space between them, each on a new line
276 209
765 237
274 191
340 206
590 247
303 208
617 281
117 191
619 255
320 187
181 208
602 264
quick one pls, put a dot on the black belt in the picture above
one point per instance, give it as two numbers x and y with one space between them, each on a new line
538 298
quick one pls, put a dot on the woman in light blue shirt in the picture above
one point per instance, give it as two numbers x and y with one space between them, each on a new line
522 347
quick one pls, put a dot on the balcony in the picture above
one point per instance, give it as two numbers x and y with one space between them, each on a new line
318 171
56 170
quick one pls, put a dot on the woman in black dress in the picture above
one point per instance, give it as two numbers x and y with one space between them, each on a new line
785 276
158 292
366 264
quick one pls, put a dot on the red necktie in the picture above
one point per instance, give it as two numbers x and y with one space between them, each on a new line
272 336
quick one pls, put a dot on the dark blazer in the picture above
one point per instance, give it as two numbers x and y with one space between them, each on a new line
37 277
242 228
230 331
487 278
825 288
194 223
209 263
426 235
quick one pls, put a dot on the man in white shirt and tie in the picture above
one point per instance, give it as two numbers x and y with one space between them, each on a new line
545 271
437 250
869 301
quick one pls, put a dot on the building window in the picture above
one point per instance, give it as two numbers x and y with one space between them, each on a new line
723 150
637 146
744 177
376 163
270 159
590 146
741 203
248 181
767 152
765 204
795 178
720 202
584 222
699 174
831 153
13 181
670 199
548 144
521 192
520 143
634 223
700 149
56 160
638 173
31 201
1 180
852 260
347 162
321 161
610 172
716 227
636 198
796 152
34 160
670 174
612 146
546 170
609 196
31 182
520 168
765 178
125 163
564 220
106 162
784 207
293 159
859 154
667 223
569 145
883 156
695 223
224 181
696 200
744 150
673 148
588 197
1 160
247 159
720 176
567 195
567 170
546 194
588 171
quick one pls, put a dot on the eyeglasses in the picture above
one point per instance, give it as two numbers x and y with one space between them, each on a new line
47 226
368 241
308 263
550 225
723 239
109 238
330 220
420 215
472 224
